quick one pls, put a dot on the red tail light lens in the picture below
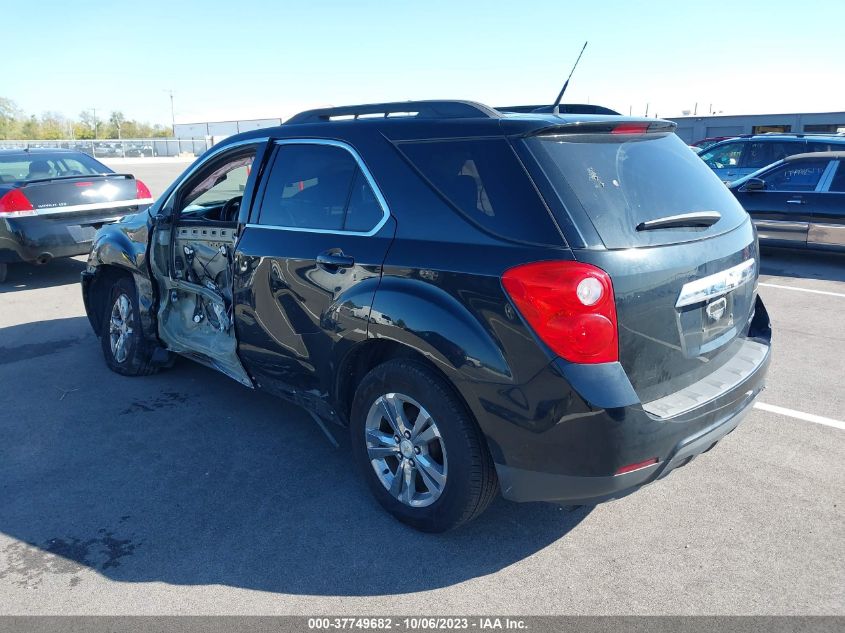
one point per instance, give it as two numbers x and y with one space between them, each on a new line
15 204
630 128
141 190
570 306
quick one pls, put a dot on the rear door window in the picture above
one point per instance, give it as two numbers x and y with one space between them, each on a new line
308 187
801 175
758 154
318 187
484 180
621 181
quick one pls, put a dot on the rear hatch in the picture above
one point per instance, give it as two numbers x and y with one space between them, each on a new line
638 203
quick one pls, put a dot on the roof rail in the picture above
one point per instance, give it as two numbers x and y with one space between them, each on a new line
799 134
417 109
564 108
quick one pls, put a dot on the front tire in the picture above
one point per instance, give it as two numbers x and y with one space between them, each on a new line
124 348
421 453
4 272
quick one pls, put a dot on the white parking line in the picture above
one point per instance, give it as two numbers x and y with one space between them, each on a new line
809 417
818 292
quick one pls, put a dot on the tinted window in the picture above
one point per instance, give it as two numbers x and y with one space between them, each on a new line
796 176
838 182
308 187
486 182
824 146
621 181
23 167
363 211
722 156
761 153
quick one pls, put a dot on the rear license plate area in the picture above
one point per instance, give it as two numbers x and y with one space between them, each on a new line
709 324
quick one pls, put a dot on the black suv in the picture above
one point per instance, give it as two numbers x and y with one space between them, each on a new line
560 307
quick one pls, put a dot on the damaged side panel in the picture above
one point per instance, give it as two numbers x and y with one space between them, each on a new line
195 307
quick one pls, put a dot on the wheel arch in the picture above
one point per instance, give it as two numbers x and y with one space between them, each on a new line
369 354
95 296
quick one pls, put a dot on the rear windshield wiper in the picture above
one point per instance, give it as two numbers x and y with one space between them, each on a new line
683 220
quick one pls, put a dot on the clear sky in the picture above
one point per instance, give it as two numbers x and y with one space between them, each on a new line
264 58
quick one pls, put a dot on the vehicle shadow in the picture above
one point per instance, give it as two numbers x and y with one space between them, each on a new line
59 272
186 477
802 264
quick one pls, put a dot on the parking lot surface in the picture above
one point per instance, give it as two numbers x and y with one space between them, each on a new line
185 492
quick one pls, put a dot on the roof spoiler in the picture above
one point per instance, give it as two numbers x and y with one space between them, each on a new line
625 126
563 108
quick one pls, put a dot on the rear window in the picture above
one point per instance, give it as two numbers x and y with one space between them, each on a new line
485 181
620 181
24 167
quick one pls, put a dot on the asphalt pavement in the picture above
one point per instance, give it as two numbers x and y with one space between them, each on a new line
185 492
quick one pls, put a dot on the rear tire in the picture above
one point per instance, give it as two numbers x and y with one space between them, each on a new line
124 348
4 272
452 477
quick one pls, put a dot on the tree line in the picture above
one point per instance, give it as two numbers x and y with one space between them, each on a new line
15 124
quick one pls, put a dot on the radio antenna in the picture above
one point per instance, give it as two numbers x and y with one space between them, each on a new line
556 106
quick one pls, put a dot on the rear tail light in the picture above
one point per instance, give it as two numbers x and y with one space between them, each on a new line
15 204
570 306
141 190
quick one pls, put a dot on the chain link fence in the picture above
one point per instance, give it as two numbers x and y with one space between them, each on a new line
125 148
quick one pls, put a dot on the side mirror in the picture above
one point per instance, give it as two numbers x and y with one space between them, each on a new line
754 184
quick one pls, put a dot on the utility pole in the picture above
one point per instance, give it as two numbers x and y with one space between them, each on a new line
646 110
172 115
96 123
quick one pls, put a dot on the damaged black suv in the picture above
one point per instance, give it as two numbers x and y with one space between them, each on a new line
560 307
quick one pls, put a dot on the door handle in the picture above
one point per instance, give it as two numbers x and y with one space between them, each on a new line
332 261
796 201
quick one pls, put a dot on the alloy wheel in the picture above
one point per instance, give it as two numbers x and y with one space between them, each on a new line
120 328
406 450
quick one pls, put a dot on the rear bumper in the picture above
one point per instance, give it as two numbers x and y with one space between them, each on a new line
525 485
594 426
32 238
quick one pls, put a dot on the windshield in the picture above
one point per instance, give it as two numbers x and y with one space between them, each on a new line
617 182
24 167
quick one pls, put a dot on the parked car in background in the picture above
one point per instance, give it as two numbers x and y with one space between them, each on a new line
53 200
135 150
734 158
108 150
488 301
798 201
706 143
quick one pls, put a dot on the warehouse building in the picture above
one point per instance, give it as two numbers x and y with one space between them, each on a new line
695 128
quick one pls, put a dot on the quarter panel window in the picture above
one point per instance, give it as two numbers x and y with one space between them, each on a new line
838 182
485 181
364 210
